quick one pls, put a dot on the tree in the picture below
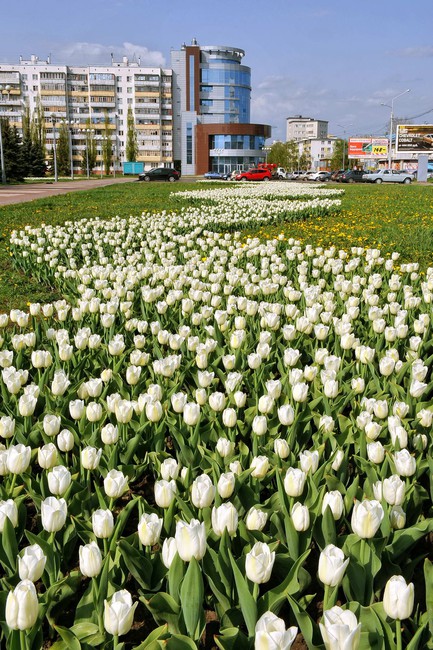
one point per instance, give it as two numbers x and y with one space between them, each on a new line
62 150
131 150
88 156
285 154
12 152
340 153
107 145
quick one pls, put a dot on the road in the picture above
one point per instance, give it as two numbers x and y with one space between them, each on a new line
10 194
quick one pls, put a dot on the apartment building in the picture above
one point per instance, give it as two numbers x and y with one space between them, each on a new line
302 128
318 151
211 99
90 99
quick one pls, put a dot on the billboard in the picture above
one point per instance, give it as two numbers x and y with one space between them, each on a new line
368 147
415 138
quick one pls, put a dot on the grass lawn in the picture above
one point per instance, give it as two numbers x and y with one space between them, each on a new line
374 216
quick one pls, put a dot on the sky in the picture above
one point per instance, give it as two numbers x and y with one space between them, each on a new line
333 60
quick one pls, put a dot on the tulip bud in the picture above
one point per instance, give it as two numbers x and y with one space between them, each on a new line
169 550
76 409
109 434
397 518
8 510
115 484
53 514
90 560
90 457
229 417
119 613
398 598
149 529
59 479
260 466
260 425
18 458
338 459
191 539
366 518
300 517
286 414
259 563
102 523
225 447
22 606
165 492
256 519
271 633
226 485
7 426
340 629
393 489
202 491
170 469
405 464
333 500
375 452
281 448
31 563
225 517
47 456
294 482
309 461
191 413
332 565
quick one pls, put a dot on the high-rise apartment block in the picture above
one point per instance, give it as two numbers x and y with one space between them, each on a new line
194 115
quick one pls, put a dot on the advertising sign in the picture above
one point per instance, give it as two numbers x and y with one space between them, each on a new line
368 147
415 138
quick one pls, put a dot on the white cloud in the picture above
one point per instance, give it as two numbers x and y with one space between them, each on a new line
420 52
98 54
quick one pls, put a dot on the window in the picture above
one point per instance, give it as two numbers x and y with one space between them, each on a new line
189 143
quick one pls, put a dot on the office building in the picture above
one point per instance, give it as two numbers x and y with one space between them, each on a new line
303 128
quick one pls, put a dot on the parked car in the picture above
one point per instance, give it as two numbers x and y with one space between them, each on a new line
335 175
216 176
352 176
388 176
160 174
319 176
281 173
254 175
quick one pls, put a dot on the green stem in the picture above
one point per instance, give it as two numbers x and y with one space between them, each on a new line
97 604
398 638
23 640
115 641
255 591
14 478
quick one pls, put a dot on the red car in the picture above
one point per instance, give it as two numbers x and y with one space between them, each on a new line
254 175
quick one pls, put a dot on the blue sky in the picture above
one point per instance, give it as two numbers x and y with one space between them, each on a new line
334 60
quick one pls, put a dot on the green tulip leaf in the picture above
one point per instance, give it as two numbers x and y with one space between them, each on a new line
246 601
273 599
231 639
164 609
137 563
68 637
8 547
179 642
191 599
428 577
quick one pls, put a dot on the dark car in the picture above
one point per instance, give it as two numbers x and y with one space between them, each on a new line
352 176
336 175
160 174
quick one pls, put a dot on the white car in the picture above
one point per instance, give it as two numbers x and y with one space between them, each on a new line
388 176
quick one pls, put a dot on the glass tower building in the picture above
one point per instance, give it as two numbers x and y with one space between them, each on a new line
211 99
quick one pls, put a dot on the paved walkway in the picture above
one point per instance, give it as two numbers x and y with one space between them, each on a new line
30 191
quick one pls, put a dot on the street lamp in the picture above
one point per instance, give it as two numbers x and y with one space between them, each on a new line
344 142
53 120
391 106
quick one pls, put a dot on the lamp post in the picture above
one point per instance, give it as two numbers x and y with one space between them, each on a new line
344 142
391 106
53 120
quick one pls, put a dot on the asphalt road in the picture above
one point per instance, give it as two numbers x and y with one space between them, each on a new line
30 191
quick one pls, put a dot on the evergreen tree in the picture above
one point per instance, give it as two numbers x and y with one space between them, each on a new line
12 152
26 147
89 152
37 164
131 150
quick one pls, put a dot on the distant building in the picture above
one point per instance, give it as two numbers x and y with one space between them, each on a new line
301 128
319 151
211 99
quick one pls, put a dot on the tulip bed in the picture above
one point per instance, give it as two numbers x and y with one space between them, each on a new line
215 442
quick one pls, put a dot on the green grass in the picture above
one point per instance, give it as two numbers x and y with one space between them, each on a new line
390 218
